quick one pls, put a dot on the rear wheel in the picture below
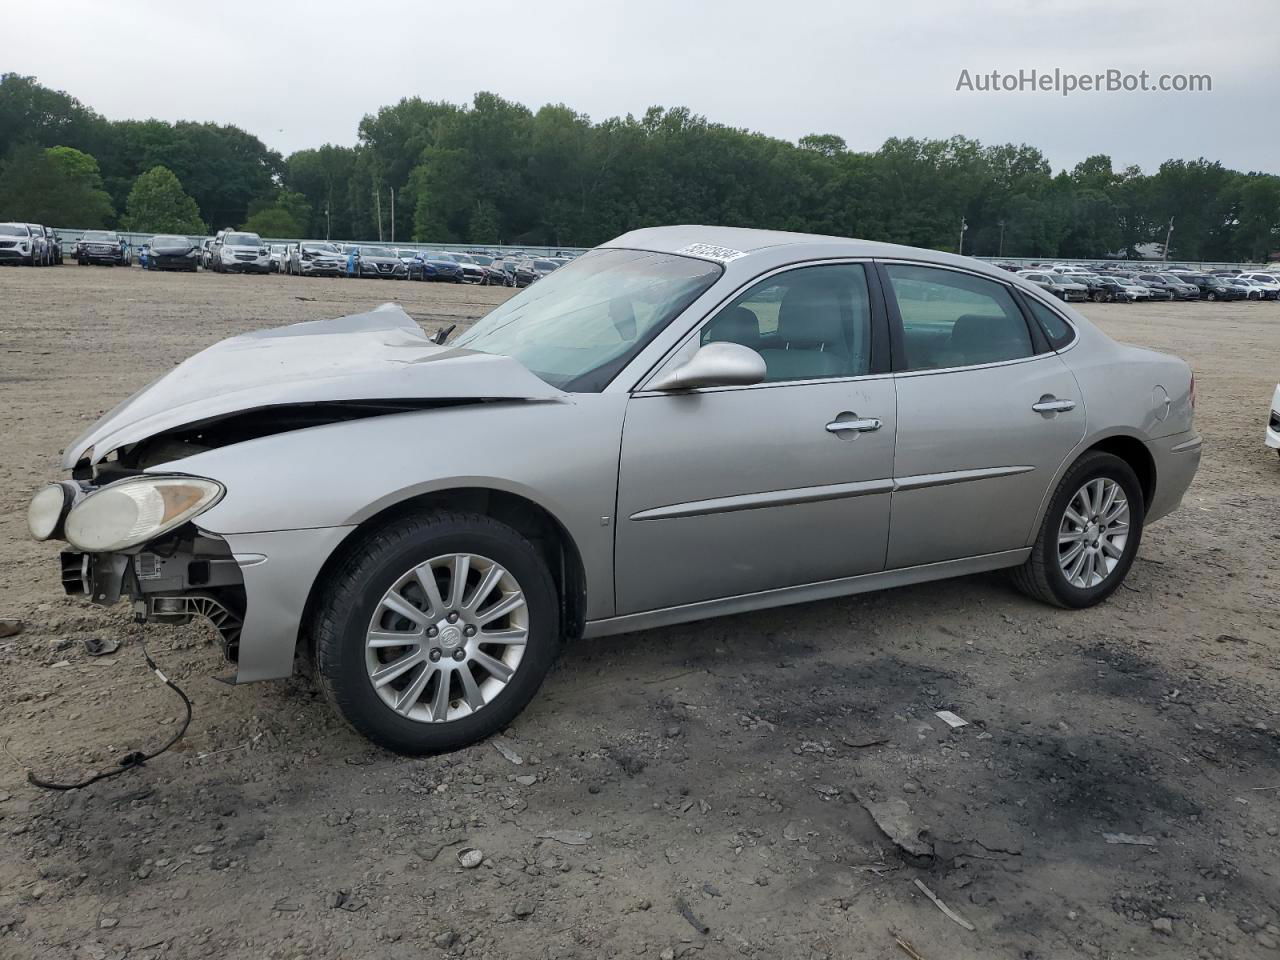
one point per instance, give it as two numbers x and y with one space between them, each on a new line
1089 536
436 632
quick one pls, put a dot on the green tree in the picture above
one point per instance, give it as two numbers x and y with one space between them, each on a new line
285 214
274 222
157 204
57 186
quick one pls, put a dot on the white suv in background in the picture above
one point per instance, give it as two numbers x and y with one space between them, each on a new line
17 243
241 253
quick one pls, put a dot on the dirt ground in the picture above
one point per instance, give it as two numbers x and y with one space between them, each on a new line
696 791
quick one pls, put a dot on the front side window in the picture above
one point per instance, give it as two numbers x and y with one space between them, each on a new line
809 324
952 319
579 326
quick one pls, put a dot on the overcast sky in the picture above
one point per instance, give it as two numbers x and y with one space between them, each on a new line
301 74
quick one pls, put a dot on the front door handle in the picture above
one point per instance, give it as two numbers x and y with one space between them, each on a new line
1053 405
857 426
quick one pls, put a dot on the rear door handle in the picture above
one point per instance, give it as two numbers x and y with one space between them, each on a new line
1051 405
858 426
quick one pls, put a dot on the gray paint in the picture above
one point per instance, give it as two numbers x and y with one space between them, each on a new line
681 504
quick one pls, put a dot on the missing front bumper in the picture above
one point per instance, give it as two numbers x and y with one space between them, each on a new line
173 581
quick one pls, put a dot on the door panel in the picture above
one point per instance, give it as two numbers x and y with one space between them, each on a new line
745 489
977 420
974 457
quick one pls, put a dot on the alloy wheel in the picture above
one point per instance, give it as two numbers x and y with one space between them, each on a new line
1093 533
447 638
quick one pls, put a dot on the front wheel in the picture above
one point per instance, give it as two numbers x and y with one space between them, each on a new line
436 632
1211 296
1099 296
1089 536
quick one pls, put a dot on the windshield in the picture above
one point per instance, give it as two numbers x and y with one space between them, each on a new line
9 230
92 235
481 259
462 258
170 242
579 326
375 252
320 247
242 240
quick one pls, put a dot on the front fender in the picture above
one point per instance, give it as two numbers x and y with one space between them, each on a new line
562 455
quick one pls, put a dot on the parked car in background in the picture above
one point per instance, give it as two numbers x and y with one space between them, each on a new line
1269 281
50 243
239 252
41 245
1214 288
17 245
1115 290
1155 291
1273 422
374 261
1139 292
494 274
524 272
208 248
1255 290
316 258
103 246
344 490
1059 285
170 252
472 270
275 257
1096 291
431 265
542 266
1178 288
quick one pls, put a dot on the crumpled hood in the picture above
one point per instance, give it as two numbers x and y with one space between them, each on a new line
380 355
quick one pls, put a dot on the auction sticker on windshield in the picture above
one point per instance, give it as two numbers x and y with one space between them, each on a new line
710 251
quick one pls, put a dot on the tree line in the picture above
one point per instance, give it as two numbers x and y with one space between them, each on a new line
494 171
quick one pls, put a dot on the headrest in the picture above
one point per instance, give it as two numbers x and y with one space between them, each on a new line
735 325
810 315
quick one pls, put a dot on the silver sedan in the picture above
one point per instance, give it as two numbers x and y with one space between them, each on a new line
683 423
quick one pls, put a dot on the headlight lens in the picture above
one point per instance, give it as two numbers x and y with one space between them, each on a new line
134 511
44 512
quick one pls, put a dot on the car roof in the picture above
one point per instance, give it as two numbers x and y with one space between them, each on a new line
675 239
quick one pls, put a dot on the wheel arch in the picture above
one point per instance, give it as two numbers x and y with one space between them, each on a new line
1127 446
1133 452
531 519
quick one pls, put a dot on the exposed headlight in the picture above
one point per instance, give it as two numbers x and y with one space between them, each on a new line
133 511
45 511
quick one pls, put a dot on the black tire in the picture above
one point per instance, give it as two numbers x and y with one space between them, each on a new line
351 597
1041 576
1211 296
1099 296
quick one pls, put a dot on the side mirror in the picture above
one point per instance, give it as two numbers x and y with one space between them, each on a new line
715 365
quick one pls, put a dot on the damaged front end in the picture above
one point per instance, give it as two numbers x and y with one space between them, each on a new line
136 523
186 575
132 537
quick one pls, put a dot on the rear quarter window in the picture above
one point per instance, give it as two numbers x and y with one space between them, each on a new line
1057 331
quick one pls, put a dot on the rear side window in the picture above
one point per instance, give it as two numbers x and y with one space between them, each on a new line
952 319
1056 330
